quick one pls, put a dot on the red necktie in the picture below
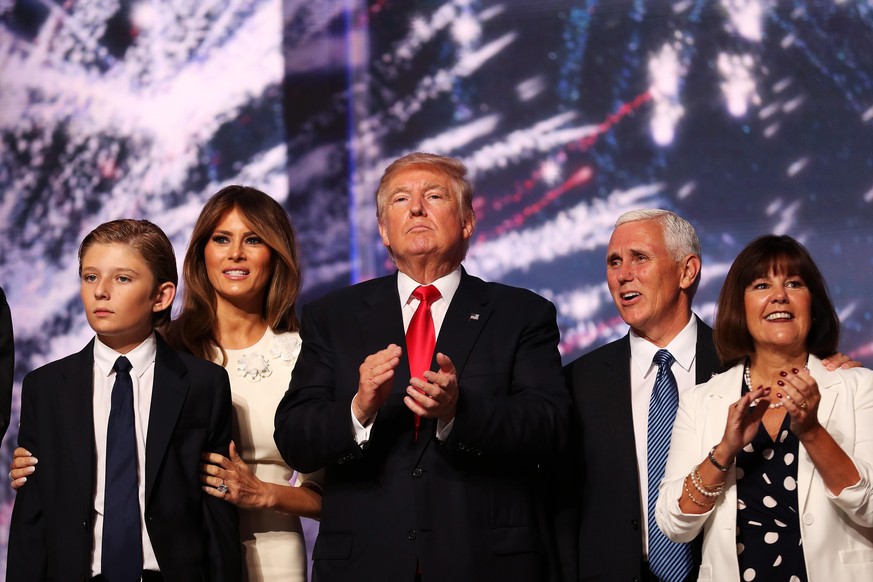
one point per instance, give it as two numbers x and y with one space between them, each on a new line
420 336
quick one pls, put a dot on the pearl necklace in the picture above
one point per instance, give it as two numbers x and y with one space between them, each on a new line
747 378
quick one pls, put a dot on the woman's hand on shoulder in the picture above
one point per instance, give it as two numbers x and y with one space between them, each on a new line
232 480
840 361
23 464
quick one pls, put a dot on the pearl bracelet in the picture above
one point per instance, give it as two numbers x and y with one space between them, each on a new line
708 490
692 498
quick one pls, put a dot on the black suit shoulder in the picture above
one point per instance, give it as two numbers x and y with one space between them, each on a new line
607 352
352 293
602 362
47 374
195 365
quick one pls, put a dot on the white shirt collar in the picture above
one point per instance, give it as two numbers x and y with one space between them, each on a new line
683 348
447 285
141 357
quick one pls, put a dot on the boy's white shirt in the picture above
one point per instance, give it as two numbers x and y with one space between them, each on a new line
142 359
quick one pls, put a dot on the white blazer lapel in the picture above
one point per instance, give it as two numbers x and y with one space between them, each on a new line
827 383
719 400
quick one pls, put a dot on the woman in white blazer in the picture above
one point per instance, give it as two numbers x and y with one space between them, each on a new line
786 492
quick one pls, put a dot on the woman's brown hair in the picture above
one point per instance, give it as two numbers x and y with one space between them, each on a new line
194 329
781 255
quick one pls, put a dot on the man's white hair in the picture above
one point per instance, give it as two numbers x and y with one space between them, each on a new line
680 237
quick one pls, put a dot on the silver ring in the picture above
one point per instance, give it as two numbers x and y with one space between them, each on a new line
223 487
803 406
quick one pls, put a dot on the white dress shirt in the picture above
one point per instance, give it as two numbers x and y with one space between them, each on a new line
447 287
142 359
643 373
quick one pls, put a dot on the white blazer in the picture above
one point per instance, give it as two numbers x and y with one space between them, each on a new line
837 532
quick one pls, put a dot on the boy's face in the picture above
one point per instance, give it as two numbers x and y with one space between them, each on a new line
119 295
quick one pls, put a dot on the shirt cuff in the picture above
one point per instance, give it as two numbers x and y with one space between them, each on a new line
361 432
444 429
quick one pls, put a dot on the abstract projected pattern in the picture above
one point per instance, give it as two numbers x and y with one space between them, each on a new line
747 117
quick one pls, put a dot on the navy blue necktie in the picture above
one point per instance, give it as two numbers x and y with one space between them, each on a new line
122 537
668 560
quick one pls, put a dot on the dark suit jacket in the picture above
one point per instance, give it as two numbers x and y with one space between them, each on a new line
604 540
195 537
7 364
466 509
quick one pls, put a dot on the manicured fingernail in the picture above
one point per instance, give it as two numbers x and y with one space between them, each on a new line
778 395
794 370
783 374
781 383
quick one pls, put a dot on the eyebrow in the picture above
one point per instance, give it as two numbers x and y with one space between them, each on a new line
426 186
222 231
632 251
115 271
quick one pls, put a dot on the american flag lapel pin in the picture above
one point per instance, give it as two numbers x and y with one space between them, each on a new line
474 317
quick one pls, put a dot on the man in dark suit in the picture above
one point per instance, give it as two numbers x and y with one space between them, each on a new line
452 494
652 271
7 364
65 522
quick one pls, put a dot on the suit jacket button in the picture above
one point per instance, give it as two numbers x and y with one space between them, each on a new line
417 472
635 524
411 535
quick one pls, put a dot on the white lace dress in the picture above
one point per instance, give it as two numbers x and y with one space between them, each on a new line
272 542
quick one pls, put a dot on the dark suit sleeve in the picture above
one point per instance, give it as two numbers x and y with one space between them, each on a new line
313 426
222 522
7 364
26 558
516 401
563 475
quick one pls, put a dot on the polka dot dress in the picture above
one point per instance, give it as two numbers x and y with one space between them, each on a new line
769 547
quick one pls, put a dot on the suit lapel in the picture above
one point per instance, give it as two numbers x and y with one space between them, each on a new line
706 358
168 396
718 402
76 399
616 372
465 319
381 323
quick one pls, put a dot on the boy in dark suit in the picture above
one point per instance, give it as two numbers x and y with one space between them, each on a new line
119 428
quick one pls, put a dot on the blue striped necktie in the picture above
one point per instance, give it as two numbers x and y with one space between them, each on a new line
669 561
